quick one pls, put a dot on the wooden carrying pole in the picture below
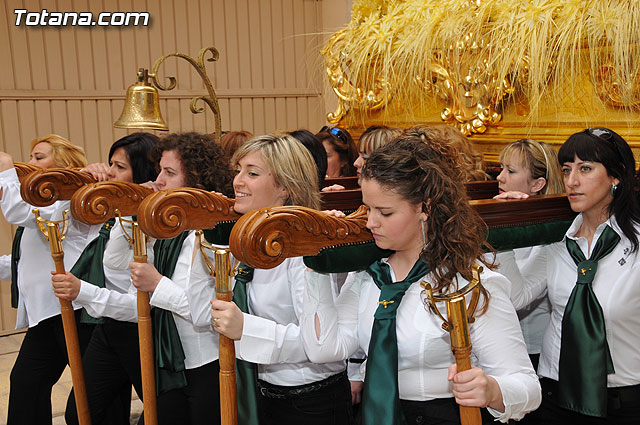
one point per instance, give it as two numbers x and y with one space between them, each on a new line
69 324
227 351
166 214
461 347
145 335
43 187
95 204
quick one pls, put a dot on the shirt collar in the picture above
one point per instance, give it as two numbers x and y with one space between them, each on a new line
577 222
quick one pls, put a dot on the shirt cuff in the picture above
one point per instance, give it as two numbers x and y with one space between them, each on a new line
86 294
167 295
256 344
515 397
9 176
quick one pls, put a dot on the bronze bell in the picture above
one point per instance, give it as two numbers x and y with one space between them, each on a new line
141 107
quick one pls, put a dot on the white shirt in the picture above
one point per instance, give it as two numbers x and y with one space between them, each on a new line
5 268
187 294
424 350
271 334
36 299
616 286
118 299
535 317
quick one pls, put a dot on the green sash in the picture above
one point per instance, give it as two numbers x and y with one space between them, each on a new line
380 395
90 268
247 372
15 259
585 359
168 351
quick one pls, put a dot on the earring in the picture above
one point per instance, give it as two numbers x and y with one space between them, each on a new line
424 235
613 189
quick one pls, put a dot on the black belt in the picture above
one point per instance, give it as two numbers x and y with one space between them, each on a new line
615 395
277 391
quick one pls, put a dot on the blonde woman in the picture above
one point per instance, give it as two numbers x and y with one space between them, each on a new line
43 355
274 171
530 168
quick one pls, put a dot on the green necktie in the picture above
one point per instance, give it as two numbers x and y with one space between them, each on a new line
585 359
247 372
168 351
90 268
15 259
380 395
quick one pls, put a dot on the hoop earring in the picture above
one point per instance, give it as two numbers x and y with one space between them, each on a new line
613 189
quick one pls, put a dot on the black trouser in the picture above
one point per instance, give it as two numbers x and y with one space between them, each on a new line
623 407
328 405
196 404
441 411
111 365
41 361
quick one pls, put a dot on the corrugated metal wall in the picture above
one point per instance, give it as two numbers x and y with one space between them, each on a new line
71 80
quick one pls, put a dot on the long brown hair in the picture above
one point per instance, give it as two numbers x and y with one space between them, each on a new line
424 171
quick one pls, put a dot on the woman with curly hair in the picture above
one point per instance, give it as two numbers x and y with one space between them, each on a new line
417 207
186 352
472 162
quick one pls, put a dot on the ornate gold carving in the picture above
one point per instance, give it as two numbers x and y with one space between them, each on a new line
469 87
43 188
98 202
167 213
337 62
611 91
265 238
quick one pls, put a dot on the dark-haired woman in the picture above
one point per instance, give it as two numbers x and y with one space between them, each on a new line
112 361
590 364
187 375
317 151
341 152
417 207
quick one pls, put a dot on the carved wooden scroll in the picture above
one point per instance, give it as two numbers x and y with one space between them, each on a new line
23 169
265 238
43 188
96 203
167 213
